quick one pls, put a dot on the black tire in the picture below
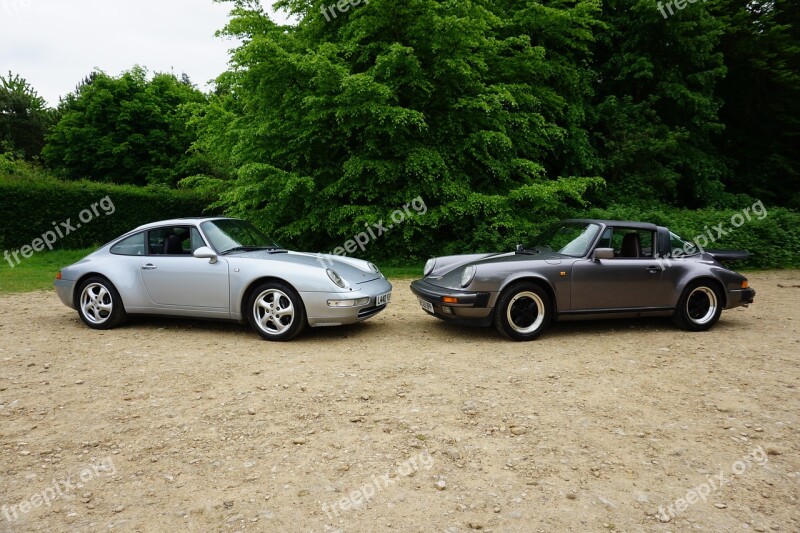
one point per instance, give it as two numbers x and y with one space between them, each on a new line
276 312
700 306
523 311
99 304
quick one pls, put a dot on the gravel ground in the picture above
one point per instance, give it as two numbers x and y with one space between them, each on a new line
401 423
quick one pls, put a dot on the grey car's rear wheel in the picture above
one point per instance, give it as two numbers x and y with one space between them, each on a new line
99 304
699 308
276 312
523 311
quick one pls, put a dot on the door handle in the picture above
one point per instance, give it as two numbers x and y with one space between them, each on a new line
149 266
653 269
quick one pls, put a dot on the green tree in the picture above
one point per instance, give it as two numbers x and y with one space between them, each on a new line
656 103
761 95
24 117
333 124
126 129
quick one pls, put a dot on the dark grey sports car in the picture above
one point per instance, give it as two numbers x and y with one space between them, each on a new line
582 269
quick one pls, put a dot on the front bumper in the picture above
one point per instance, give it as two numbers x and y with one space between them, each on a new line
65 290
320 314
740 298
468 308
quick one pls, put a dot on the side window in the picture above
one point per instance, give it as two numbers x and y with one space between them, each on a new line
632 243
175 240
133 245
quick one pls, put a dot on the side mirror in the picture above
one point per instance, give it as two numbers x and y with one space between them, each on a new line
204 252
603 253
520 248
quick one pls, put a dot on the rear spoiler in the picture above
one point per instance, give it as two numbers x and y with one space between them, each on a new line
728 255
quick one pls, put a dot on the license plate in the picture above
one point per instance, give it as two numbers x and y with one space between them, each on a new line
383 299
426 305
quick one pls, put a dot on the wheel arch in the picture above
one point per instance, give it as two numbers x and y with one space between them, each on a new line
723 294
251 287
76 297
536 280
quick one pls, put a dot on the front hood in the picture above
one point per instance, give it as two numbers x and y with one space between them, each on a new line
351 269
448 275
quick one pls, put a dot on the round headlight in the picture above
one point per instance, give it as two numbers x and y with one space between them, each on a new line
468 276
429 267
336 278
375 269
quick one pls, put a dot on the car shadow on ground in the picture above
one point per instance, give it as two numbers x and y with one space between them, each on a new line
567 329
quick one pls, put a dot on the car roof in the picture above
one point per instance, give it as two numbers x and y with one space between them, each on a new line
615 223
179 222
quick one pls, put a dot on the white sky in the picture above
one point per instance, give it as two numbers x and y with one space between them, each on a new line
54 44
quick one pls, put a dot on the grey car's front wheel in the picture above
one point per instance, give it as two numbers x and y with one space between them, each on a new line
699 308
276 312
99 304
523 312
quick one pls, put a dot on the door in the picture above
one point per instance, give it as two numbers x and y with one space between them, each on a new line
173 277
631 280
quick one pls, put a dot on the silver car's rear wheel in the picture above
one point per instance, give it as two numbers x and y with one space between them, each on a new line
99 304
699 308
522 312
276 312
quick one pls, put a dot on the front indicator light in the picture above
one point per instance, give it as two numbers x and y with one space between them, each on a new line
58 276
745 284
348 303
450 300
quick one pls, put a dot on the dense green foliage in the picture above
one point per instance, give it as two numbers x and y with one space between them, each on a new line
127 130
24 117
333 125
33 203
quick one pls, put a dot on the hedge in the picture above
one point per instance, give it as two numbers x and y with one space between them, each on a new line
32 206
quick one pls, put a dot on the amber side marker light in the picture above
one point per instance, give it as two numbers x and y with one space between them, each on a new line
58 276
450 300
745 284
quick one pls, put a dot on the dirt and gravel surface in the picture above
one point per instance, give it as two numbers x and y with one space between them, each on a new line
401 423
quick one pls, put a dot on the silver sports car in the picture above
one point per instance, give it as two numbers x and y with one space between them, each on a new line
220 268
585 269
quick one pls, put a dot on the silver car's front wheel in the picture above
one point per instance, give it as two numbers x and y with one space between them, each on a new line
276 312
99 304
522 312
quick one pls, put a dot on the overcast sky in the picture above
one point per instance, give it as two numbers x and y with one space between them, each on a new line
54 44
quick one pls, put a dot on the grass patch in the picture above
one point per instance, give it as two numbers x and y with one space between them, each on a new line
37 272
401 272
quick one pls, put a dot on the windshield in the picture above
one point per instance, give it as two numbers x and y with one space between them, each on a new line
230 235
571 238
